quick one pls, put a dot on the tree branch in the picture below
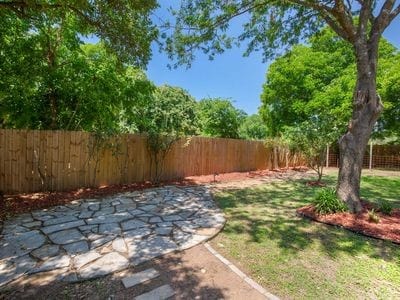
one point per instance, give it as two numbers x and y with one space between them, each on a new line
394 13
383 19
338 17
365 15
240 11
15 6
344 17
314 5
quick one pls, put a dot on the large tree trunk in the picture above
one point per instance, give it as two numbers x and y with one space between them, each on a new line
352 145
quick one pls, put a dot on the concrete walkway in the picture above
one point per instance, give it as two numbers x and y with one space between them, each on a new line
94 237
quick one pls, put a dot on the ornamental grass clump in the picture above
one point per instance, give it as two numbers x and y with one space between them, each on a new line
326 202
373 216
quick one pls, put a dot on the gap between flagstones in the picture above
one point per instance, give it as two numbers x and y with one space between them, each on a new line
90 238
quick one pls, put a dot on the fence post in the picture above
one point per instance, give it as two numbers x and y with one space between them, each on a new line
370 155
327 155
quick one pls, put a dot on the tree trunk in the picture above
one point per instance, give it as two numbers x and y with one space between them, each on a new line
352 145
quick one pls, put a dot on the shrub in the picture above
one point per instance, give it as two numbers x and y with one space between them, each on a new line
326 202
372 216
385 207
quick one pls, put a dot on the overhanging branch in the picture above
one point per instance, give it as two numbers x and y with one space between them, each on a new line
20 7
338 17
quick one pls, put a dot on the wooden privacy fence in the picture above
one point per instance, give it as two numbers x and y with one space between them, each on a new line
33 160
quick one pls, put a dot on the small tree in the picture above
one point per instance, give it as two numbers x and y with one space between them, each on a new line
167 118
310 139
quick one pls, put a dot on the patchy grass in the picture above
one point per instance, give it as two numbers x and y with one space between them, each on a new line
299 259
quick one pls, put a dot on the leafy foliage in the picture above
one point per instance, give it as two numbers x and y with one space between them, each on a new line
305 73
49 80
268 26
171 111
219 118
311 138
319 80
253 128
327 202
389 123
124 26
170 116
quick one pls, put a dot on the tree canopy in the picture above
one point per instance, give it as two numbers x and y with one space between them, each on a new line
50 80
389 123
271 26
253 128
49 84
219 118
170 111
318 80
124 26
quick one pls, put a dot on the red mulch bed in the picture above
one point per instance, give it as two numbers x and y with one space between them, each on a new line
21 203
388 227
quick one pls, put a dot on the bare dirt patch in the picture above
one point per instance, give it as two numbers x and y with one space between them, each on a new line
388 227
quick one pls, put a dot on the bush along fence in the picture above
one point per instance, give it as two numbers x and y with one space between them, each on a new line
385 157
33 160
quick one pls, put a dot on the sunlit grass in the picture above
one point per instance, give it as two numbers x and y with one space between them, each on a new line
299 259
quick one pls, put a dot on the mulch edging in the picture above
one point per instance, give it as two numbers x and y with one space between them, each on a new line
11 205
387 229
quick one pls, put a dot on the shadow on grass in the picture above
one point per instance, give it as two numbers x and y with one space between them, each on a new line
375 188
268 213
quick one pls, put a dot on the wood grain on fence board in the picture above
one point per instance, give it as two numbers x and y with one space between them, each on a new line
32 160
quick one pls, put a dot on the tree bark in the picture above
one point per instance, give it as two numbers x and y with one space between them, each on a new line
366 110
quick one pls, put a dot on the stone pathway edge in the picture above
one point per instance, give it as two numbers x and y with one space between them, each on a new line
242 275
80 237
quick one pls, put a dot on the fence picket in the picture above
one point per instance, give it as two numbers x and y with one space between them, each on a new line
33 160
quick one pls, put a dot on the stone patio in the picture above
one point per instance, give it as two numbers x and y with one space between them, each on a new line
89 238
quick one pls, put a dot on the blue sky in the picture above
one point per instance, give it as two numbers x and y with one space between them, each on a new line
229 75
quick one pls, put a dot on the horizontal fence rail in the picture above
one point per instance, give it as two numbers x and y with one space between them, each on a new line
36 160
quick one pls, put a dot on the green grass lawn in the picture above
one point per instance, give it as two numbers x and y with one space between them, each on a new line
299 259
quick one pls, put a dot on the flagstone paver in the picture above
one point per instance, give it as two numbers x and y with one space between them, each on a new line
78 247
160 293
140 277
46 252
95 237
107 264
